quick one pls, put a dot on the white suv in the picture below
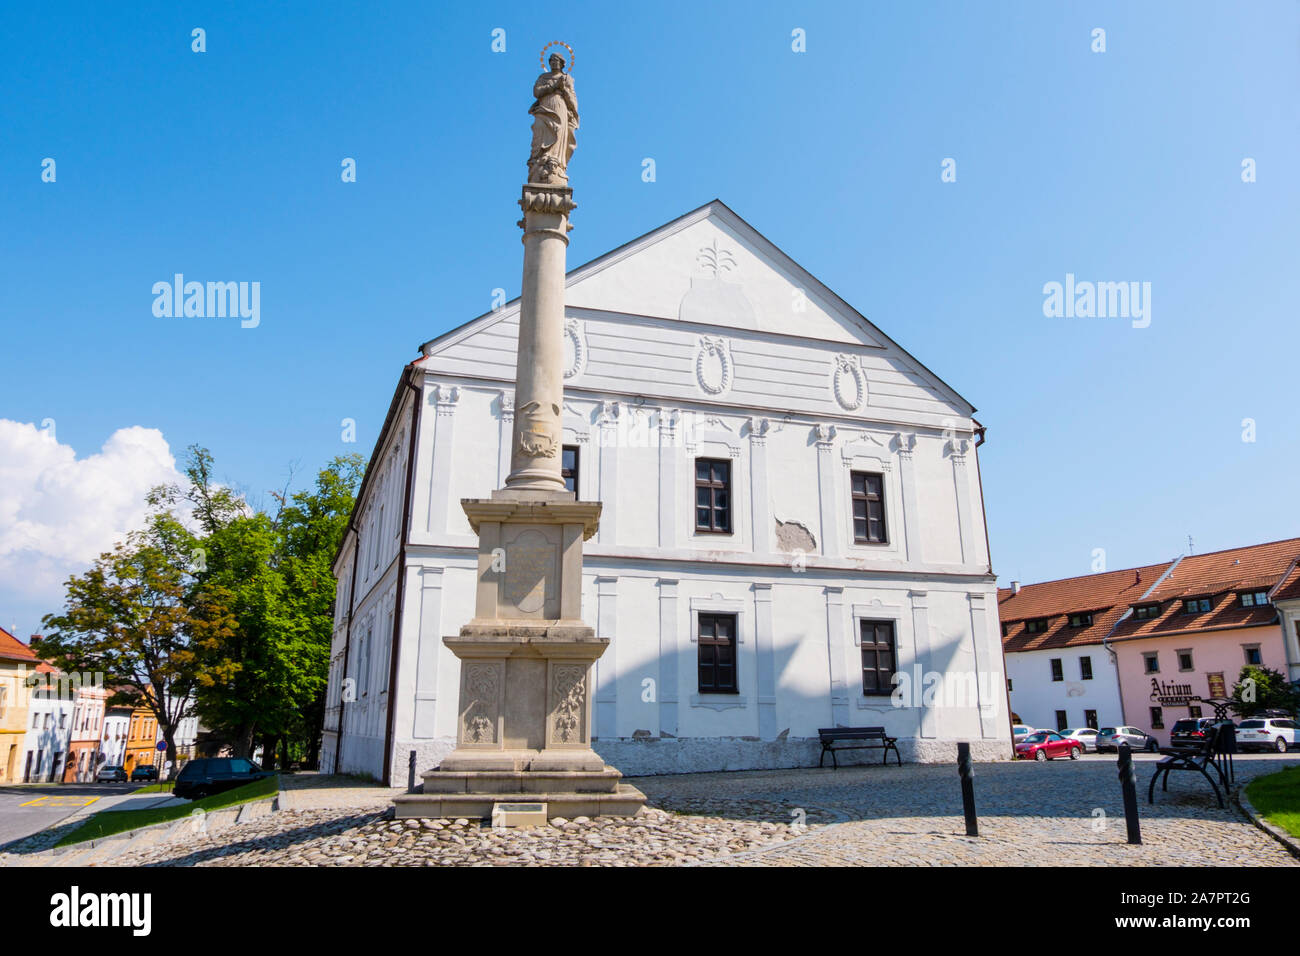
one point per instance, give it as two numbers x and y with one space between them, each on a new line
1274 733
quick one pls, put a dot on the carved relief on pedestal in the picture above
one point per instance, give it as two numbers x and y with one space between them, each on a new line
849 383
568 703
482 697
532 572
575 348
713 369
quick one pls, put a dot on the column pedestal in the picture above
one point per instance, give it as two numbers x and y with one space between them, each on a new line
524 714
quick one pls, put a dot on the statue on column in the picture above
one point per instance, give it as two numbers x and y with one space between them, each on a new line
555 118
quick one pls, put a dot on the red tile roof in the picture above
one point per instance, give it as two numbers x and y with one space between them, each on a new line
1289 589
1107 594
1219 576
12 649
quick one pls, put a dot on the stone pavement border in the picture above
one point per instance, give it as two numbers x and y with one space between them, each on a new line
1272 829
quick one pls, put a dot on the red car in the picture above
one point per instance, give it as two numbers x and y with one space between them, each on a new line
1045 744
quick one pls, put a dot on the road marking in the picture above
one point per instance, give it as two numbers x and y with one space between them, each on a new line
60 802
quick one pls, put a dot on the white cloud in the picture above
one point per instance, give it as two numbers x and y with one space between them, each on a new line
58 512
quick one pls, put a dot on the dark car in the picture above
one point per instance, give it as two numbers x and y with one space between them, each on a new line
208 775
1190 731
146 772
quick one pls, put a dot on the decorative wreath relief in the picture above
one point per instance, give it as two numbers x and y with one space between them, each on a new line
713 365
849 383
575 348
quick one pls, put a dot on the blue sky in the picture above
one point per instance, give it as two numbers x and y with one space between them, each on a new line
224 165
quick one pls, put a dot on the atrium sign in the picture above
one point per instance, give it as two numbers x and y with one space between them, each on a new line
1171 695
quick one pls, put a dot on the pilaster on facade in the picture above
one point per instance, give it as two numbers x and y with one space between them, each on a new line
670 420
444 398
760 501
905 443
606 699
835 650
607 423
929 722
959 448
667 690
826 493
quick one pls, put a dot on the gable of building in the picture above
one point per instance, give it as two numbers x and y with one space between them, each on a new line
706 308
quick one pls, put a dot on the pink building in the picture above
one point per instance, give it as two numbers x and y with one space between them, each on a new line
1191 633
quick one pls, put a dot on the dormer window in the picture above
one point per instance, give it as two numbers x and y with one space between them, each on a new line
1253 598
1145 612
1196 605
1036 626
1083 619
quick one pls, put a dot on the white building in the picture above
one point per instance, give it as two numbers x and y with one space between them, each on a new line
112 743
49 728
839 534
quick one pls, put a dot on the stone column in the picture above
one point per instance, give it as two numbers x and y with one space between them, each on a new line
539 371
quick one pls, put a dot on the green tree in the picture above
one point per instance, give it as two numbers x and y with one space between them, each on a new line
140 617
1262 688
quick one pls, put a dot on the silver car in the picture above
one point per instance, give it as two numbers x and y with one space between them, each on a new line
1085 735
1109 738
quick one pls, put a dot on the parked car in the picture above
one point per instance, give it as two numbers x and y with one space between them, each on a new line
145 772
1085 735
1190 731
1109 738
209 775
111 775
1259 733
1046 744
1020 731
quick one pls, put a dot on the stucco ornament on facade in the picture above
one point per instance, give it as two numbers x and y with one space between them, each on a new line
713 368
849 383
575 347
481 680
568 689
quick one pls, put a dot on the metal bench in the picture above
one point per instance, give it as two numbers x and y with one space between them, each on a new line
872 738
1215 752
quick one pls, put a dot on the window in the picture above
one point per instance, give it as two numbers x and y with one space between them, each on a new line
1145 612
1004 630
569 468
712 496
868 508
1196 605
1152 662
1085 668
1009 687
379 530
1062 721
1081 620
877 657
1254 598
1090 719
1185 660
717 654
1193 710
1058 671
36 721
1036 626
1252 654
1157 718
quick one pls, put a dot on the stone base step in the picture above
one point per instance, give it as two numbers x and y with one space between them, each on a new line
513 782
624 801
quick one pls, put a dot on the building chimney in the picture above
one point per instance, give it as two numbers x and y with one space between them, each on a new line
1015 587
1137 577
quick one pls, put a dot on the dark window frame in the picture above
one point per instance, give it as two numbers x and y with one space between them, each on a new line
1146 612
1081 619
570 475
1058 670
883 674
714 488
1157 718
864 500
1202 605
1062 721
1038 625
707 640
1085 667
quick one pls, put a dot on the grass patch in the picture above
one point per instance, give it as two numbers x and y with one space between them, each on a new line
1277 797
107 822
165 787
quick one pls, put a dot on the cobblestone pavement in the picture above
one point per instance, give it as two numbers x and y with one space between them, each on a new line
1059 813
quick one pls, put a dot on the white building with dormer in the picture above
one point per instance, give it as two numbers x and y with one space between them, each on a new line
792 534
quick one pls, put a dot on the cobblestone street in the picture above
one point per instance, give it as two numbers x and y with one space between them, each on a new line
1059 813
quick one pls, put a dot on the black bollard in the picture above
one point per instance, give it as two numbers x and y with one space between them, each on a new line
410 774
967 789
1128 781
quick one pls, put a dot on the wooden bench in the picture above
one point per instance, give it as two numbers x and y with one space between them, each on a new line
1214 753
872 738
